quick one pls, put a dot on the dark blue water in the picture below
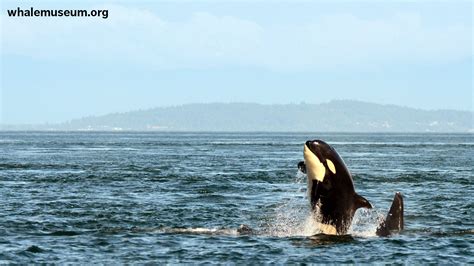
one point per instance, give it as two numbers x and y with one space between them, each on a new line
179 198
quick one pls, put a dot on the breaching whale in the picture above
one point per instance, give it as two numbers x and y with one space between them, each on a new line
332 195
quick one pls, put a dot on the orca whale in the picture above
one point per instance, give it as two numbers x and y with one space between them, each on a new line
332 195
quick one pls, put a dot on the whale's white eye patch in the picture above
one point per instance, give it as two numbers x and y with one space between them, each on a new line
314 168
331 166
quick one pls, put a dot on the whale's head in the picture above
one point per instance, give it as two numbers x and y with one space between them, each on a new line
323 162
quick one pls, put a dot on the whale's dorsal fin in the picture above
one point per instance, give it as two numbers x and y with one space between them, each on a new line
394 220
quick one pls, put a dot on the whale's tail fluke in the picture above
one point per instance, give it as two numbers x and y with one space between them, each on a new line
394 221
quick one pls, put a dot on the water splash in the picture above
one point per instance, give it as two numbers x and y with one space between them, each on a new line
365 223
300 177
288 220
293 218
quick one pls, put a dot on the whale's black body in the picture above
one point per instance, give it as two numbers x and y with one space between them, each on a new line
332 195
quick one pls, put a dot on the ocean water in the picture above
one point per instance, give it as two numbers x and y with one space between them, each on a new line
180 197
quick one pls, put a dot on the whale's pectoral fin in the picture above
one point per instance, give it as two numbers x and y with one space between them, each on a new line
361 202
394 221
302 167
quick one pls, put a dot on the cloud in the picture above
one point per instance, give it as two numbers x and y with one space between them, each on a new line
205 40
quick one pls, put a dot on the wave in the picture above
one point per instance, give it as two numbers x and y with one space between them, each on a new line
200 231
437 233
402 144
64 233
254 143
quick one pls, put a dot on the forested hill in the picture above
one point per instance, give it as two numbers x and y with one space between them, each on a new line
341 115
333 116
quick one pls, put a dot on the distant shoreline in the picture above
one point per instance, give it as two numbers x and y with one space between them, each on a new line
334 116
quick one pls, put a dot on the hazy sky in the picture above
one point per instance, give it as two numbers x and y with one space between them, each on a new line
148 54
